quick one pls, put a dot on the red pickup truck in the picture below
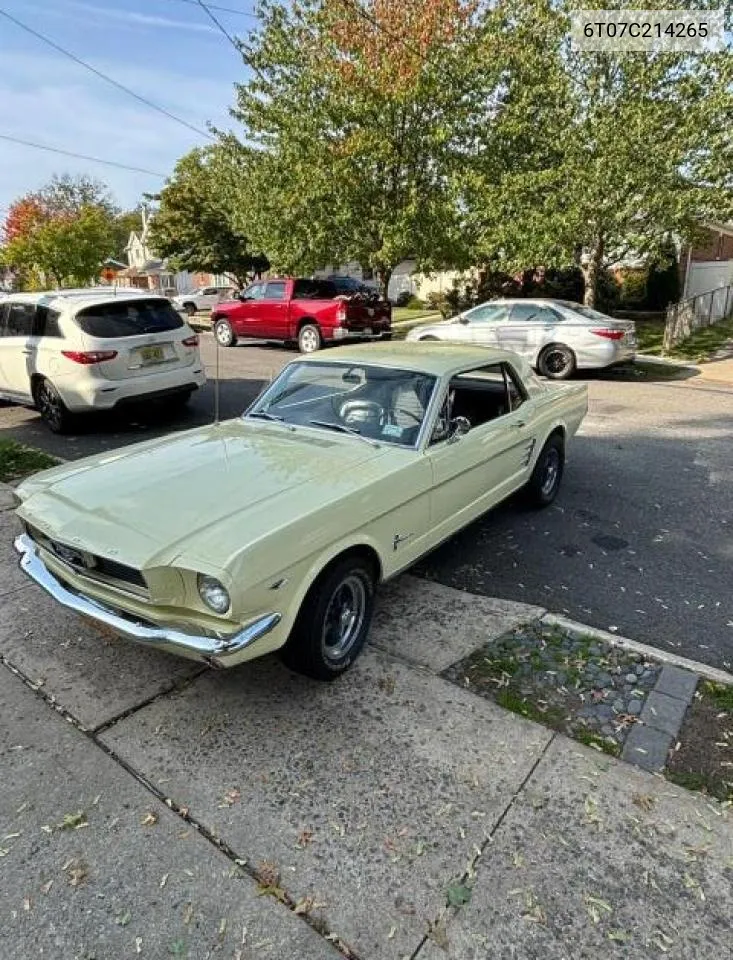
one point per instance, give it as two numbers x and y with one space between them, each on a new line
309 312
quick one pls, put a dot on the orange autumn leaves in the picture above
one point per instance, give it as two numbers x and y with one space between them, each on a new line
389 43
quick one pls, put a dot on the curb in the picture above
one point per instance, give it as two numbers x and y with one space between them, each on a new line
666 361
654 653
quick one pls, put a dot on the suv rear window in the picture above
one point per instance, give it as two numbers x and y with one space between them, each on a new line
128 318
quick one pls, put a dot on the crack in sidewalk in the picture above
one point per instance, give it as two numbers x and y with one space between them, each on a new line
470 874
241 863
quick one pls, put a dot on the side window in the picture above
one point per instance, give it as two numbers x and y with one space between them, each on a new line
479 395
255 292
209 291
19 319
46 322
487 313
515 389
3 313
534 312
275 291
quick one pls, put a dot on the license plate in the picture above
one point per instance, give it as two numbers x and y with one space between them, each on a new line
367 331
152 354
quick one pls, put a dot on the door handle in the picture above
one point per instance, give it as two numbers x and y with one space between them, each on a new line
26 351
519 424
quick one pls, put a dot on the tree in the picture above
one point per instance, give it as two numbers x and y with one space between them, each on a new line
598 155
663 280
61 233
355 124
194 224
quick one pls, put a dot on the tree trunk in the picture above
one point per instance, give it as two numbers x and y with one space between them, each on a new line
592 271
384 275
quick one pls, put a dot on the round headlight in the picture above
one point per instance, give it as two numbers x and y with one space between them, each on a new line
213 593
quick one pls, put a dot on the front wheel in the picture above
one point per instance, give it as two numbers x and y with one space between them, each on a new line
225 335
556 362
54 412
190 309
309 338
544 484
333 622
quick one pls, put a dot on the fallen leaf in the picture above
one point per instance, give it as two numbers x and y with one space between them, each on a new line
458 894
230 797
77 872
438 933
644 800
164 879
123 919
47 886
138 944
392 932
618 936
268 873
150 819
303 907
73 821
26 903
305 837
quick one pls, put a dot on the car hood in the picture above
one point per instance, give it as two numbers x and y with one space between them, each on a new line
148 504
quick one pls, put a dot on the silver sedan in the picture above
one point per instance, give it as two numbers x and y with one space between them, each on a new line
556 336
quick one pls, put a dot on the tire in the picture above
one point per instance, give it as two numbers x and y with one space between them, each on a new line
178 402
347 584
225 335
190 309
424 339
54 412
543 485
556 362
309 338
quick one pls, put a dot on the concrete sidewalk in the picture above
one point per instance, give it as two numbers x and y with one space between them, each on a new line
150 808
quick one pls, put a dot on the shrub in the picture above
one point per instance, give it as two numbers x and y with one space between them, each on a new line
663 281
415 303
403 298
439 301
633 289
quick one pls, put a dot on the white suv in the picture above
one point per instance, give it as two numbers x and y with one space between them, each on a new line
72 351
203 299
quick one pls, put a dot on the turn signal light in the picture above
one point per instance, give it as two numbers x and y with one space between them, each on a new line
89 356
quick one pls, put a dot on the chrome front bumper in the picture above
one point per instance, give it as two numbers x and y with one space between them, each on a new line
215 651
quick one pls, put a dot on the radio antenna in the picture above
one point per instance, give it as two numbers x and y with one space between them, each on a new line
216 383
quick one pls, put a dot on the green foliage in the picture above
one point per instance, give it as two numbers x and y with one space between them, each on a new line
195 227
633 289
17 460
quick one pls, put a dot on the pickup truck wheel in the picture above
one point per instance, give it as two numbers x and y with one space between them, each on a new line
556 362
225 335
54 412
333 622
544 483
309 338
189 308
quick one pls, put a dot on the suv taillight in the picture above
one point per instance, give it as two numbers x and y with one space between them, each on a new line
608 333
191 341
89 356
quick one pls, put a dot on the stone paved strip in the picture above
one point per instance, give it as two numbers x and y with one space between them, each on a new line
125 877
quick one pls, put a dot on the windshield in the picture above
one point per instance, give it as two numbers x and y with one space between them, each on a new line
377 403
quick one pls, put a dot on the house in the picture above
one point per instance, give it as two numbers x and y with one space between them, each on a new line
148 272
707 264
404 279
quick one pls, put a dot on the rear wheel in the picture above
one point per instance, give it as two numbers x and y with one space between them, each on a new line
556 362
309 338
225 335
423 339
190 308
544 484
54 412
333 622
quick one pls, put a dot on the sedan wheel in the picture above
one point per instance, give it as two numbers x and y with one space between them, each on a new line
190 308
224 334
556 362
333 622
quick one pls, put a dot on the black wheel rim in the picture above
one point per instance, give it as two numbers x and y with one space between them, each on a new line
49 405
556 361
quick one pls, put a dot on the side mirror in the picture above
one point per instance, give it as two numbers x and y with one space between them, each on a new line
459 426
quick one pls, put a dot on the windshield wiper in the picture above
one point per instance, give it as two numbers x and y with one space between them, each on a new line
342 428
266 416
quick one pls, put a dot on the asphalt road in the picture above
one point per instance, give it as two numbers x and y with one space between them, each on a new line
640 540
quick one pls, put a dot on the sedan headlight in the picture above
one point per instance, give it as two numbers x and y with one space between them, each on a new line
213 593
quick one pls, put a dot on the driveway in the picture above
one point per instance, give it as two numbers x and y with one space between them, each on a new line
638 542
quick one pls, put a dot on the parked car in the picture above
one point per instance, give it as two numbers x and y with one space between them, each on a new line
74 351
348 468
310 312
203 299
557 337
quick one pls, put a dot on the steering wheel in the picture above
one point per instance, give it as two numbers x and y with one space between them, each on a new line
408 413
355 413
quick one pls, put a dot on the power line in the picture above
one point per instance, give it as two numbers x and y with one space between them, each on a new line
223 30
81 156
213 6
103 76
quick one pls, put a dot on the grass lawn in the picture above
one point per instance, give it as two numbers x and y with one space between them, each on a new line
699 347
423 314
17 461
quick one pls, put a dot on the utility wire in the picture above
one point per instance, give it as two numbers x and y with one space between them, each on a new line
213 6
80 156
219 26
103 76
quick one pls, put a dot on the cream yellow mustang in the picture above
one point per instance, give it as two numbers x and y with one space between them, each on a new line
272 531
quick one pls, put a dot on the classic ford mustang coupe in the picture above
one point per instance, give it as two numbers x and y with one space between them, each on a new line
273 530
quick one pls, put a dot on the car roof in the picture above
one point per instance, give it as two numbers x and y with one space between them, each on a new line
437 358
83 296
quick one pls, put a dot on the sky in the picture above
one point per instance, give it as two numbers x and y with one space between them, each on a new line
167 51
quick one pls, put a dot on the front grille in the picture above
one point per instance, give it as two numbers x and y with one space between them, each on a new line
91 565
